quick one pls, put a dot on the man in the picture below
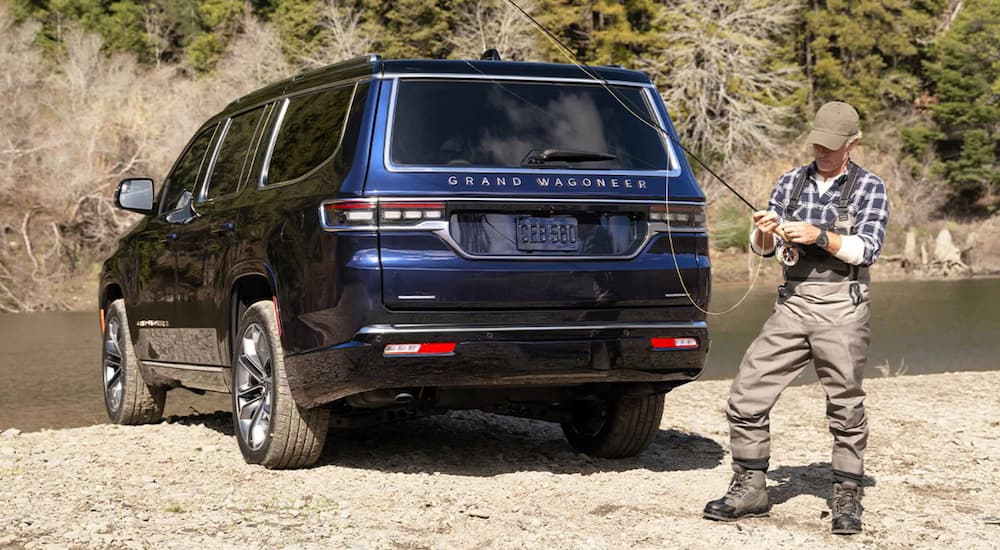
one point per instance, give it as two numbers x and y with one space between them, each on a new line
834 213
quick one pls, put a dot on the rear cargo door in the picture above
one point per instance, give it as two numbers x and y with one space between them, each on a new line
513 194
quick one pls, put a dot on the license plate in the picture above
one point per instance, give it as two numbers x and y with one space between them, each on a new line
556 233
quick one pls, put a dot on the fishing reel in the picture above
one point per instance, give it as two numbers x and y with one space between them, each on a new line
789 254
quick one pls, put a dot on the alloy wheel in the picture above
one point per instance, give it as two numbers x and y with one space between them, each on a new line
114 368
254 388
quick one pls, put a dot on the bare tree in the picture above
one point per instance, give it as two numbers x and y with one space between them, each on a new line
484 24
717 75
344 37
253 58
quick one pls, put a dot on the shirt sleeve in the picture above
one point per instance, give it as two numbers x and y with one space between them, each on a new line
766 252
852 250
775 204
872 217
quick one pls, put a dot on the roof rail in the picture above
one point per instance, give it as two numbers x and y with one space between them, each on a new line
361 60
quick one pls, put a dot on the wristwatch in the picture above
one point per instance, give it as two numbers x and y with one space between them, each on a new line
822 240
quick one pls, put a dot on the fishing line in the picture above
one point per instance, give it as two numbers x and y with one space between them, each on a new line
563 49
566 52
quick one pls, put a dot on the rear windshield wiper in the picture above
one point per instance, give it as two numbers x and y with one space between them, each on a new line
538 157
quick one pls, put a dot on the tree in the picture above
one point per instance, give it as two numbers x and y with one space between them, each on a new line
716 72
484 24
867 52
341 36
964 78
410 28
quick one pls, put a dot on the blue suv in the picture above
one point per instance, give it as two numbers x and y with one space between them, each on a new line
382 239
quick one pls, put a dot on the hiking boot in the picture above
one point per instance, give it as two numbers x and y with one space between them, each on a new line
746 497
846 508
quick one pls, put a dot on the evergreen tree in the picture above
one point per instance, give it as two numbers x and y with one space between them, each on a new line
867 52
411 28
964 78
571 22
623 30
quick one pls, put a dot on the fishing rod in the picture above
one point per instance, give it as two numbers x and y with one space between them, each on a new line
656 127
586 70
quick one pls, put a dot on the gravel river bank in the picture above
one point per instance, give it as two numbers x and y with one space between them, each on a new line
473 480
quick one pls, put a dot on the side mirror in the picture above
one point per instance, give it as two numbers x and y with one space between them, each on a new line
135 195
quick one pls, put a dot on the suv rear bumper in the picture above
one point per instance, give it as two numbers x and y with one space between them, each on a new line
492 356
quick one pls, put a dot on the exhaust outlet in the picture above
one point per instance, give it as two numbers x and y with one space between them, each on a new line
377 399
403 398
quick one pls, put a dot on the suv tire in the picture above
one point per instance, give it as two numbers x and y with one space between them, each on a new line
619 427
272 430
127 397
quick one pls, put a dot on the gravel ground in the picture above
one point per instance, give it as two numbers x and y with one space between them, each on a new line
473 480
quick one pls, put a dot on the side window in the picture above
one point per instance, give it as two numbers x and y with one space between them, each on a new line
184 176
231 162
310 133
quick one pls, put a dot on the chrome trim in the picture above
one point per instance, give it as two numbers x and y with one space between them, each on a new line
664 137
395 168
277 129
416 297
262 136
675 295
481 76
285 94
206 180
411 329
442 228
266 166
547 200
206 186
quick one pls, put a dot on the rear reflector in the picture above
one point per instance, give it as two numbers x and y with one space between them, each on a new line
436 348
674 343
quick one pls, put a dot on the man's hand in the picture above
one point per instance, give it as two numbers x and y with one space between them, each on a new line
766 221
799 232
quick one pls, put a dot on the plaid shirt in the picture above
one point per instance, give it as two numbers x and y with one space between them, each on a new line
869 204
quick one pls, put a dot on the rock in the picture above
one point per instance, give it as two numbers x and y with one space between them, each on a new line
945 249
10 433
910 249
923 253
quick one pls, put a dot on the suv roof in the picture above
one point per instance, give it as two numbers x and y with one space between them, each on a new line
374 64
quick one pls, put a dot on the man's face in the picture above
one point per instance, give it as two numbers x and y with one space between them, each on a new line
832 160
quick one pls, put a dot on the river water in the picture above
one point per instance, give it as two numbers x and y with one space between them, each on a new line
50 375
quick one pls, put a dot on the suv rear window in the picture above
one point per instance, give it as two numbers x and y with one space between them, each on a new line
230 163
499 124
310 133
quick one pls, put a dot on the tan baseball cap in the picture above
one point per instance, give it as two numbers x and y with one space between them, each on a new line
835 123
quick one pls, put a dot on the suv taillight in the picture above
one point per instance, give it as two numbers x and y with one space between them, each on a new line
370 214
676 216
348 214
409 213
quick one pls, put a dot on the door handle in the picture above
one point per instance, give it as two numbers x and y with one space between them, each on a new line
224 228
168 238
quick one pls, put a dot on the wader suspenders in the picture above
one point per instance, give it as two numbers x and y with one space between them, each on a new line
845 221
797 187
